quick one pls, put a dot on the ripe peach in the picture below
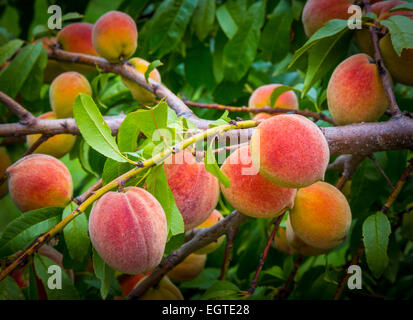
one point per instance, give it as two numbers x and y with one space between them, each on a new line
321 216
64 90
261 98
189 268
56 146
164 290
139 93
249 192
357 74
128 229
128 281
38 181
280 241
77 37
214 218
298 246
195 190
290 151
115 36
5 162
317 12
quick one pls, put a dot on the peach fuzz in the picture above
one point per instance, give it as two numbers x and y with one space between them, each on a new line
189 268
195 190
321 216
139 93
355 92
128 229
64 90
57 145
249 192
164 290
38 181
290 151
261 98
115 36
213 219
5 162
317 12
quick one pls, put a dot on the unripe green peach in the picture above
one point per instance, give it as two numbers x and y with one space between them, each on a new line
128 229
249 192
164 290
213 219
64 90
38 181
190 268
321 216
115 36
5 162
140 94
195 190
57 145
290 151
355 92
261 98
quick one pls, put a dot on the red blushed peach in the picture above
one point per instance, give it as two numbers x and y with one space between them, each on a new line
321 216
5 162
317 12
290 151
128 281
213 219
280 241
261 98
128 229
249 192
139 93
115 36
195 190
164 290
189 268
38 181
56 146
355 92
64 90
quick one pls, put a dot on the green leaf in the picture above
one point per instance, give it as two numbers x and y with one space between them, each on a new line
401 32
223 120
153 65
204 280
226 21
9 290
221 290
76 234
104 273
376 232
240 51
51 276
277 92
10 48
212 167
30 90
94 128
276 272
275 40
24 229
203 18
14 76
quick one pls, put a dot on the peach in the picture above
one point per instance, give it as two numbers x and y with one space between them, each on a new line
128 281
290 151
189 268
115 36
38 181
164 290
195 190
280 241
139 93
5 162
214 218
128 229
298 246
249 192
355 75
64 90
321 216
77 37
261 98
317 12
56 146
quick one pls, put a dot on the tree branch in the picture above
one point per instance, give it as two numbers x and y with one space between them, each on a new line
26 118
